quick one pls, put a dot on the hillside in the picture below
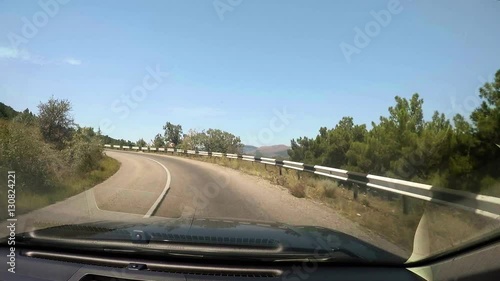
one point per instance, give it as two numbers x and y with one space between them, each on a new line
249 149
276 151
273 151
7 112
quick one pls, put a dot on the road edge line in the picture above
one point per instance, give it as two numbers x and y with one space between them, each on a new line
162 195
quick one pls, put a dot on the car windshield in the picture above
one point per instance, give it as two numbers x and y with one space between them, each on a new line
333 131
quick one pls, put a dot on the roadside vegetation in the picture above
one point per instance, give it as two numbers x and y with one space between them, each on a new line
462 153
53 158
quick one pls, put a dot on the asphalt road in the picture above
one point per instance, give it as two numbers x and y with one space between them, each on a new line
153 187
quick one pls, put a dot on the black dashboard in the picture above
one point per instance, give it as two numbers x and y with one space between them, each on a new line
37 265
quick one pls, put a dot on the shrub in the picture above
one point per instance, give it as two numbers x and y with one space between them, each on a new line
365 202
490 186
330 192
329 186
298 190
84 151
22 149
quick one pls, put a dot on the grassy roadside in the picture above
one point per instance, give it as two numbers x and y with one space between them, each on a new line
378 212
27 201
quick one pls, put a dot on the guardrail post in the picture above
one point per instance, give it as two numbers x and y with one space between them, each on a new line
265 166
279 169
355 191
298 175
406 205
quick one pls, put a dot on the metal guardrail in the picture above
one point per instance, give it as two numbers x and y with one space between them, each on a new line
488 206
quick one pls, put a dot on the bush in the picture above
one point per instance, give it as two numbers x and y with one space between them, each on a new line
330 192
84 151
22 149
365 202
329 186
298 190
490 186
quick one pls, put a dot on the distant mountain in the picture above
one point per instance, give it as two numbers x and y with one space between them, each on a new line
274 151
279 151
249 149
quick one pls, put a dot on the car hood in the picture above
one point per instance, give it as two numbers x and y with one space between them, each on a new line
219 233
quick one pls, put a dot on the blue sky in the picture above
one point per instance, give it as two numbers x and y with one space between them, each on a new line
233 64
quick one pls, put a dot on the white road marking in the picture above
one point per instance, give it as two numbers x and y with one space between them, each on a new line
162 195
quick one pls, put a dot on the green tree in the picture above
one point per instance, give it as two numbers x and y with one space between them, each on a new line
302 150
330 147
193 140
159 141
173 133
454 154
141 143
216 140
338 141
26 117
486 120
55 121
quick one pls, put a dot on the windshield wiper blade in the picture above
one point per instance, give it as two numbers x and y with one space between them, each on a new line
189 251
334 255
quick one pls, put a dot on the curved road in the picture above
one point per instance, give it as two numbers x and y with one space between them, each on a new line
153 187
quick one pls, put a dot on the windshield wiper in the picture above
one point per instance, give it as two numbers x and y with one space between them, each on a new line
333 256
276 253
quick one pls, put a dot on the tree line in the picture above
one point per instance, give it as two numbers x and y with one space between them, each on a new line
212 140
461 153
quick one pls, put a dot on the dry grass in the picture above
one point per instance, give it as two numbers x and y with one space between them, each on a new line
298 190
